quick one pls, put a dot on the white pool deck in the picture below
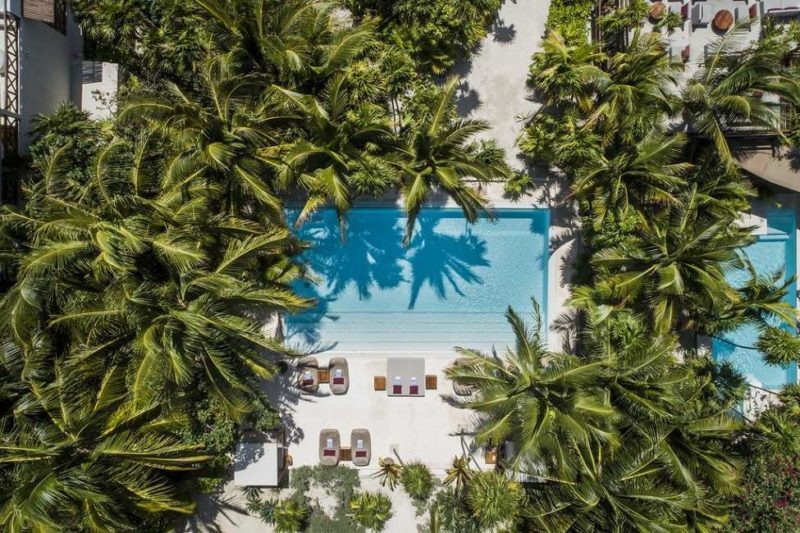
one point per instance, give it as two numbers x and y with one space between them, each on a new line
420 428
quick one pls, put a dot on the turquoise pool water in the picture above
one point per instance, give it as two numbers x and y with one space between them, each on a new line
773 250
450 286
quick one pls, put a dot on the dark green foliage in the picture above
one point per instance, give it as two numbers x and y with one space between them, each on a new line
434 33
770 497
583 424
153 40
570 18
417 481
779 346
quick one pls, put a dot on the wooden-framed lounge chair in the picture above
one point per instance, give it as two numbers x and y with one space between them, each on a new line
309 374
462 389
329 447
360 447
339 375
379 382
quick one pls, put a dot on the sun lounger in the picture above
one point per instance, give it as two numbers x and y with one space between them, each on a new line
309 374
462 389
329 447
701 15
340 376
360 447
780 8
397 385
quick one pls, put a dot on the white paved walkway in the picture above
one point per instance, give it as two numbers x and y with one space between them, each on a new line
493 86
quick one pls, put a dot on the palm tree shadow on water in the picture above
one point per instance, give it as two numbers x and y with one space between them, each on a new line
368 259
443 262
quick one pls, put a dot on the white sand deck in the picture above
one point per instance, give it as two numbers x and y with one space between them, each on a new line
419 428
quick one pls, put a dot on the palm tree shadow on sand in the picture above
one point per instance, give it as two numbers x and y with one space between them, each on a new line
444 262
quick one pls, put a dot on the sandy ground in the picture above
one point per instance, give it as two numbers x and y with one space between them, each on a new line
494 89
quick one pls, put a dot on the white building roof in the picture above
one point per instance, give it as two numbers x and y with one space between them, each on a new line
257 464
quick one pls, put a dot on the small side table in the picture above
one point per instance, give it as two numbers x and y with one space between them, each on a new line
723 20
379 382
658 10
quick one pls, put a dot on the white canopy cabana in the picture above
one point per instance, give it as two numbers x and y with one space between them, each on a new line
258 464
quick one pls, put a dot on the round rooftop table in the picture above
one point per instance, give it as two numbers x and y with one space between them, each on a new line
723 20
657 10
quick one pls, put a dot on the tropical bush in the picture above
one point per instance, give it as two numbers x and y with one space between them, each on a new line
494 499
371 510
288 516
570 18
434 33
306 514
417 481
770 498
389 472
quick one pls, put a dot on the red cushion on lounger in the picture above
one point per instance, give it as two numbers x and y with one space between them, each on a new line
753 11
397 389
307 382
361 453
338 381
414 389
329 453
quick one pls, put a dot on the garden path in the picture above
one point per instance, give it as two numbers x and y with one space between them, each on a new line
493 80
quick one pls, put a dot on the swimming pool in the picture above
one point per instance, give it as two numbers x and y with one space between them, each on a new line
773 250
450 286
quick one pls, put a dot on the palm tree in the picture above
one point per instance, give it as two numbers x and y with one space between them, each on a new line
417 479
215 136
725 94
388 472
649 174
567 72
340 151
81 453
637 93
297 44
177 291
679 266
436 157
459 474
535 406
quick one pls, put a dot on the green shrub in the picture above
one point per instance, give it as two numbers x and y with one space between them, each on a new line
494 499
417 479
434 32
770 497
371 510
288 516
570 18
